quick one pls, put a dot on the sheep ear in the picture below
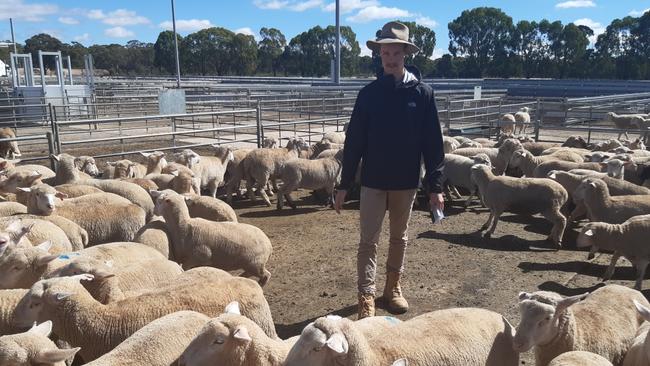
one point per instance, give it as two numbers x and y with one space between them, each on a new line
52 356
83 277
45 246
592 184
111 163
61 195
63 295
525 296
333 317
589 233
241 333
187 199
24 189
552 175
35 175
44 260
146 155
154 193
401 362
644 311
337 343
101 274
233 308
174 173
564 304
43 329
56 157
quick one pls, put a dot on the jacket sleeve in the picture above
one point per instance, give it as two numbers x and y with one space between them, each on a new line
355 143
433 150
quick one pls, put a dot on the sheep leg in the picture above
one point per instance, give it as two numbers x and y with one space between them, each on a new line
494 225
592 252
579 211
260 188
280 203
468 201
612 266
260 273
559 224
640 271
249 188
487 223
212 187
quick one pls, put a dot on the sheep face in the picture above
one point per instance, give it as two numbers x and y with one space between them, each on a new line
588 187
13 234
19 179
188 158
616 167
482 159
217 340
269 143
32 348
43 198
87 165
540 317
45 295
575 141
22 266
518 158
315 348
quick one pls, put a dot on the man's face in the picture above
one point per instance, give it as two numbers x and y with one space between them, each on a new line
392 58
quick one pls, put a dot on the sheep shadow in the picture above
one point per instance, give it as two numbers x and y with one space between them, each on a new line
582 268
289 330
287 211
507 243
567 291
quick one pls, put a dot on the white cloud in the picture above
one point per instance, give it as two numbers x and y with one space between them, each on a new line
118 32
271 4
594 25
82 38
245 30
18 10
68 20
187 25
576 4
365 51
96 14
437 53
305 5
56 33
371 13
638 13
348 6
426 21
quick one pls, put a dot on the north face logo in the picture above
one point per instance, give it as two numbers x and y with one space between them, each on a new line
412 104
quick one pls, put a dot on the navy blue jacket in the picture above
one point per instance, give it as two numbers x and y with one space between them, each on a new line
391 129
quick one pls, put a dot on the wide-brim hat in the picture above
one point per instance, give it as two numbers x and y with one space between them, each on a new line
393 32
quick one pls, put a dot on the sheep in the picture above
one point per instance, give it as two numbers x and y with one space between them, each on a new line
310 174
7 167
462 336
33 347
34 231
616 167
450 144
522 118
622 122
66 171
87 165
334 137
542 170
485 142
606 145
500 157
127 169
521 195
20 179
603 207
159 343
210 169
179 181
597 157
527 162
9 299
260 165
537 147
24 265
155 235
12 208
82 321
628 239
579 358
555 149
458 172
270 142
235 173
8 149
155 161
105 222
575 141
77 235
209 208
329 153
146 184
553 325
507 123
77 190
226 245
639 352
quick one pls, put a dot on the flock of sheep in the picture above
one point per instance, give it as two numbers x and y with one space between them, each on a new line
130 269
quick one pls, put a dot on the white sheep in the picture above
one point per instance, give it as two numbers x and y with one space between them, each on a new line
639 353
84 322
158 343
628 239
499 157
9 299
579 358
523 196
462 336
210 169
542 170
507 123
458 173
309 174
33 232
8 149
33 347
522 118
603 207
334 137
450 144
553 325
622 122
155 162
87 165
527 162
209 208
155 235
226 245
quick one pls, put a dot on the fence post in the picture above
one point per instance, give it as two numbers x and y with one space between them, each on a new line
55 130
174 135
258 122
50 147
448 121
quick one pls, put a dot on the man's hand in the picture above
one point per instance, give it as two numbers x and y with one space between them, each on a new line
339 200
436 200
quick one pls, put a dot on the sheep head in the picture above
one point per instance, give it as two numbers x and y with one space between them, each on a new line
33 348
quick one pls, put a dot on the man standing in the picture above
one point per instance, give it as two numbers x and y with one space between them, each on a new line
394 126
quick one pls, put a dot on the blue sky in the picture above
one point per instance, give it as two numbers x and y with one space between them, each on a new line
118 21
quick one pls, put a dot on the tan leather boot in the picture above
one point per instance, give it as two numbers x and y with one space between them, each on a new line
366 305
395 302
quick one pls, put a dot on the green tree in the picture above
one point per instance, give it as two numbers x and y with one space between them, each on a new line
76 51
271 48
243 54
446 67
43 42
165 52
479 34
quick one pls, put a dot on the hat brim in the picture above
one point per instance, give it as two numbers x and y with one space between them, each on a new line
376 45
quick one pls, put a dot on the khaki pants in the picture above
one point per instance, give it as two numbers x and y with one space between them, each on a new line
374 203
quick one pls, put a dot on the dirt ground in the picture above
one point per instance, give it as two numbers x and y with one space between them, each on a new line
448 265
